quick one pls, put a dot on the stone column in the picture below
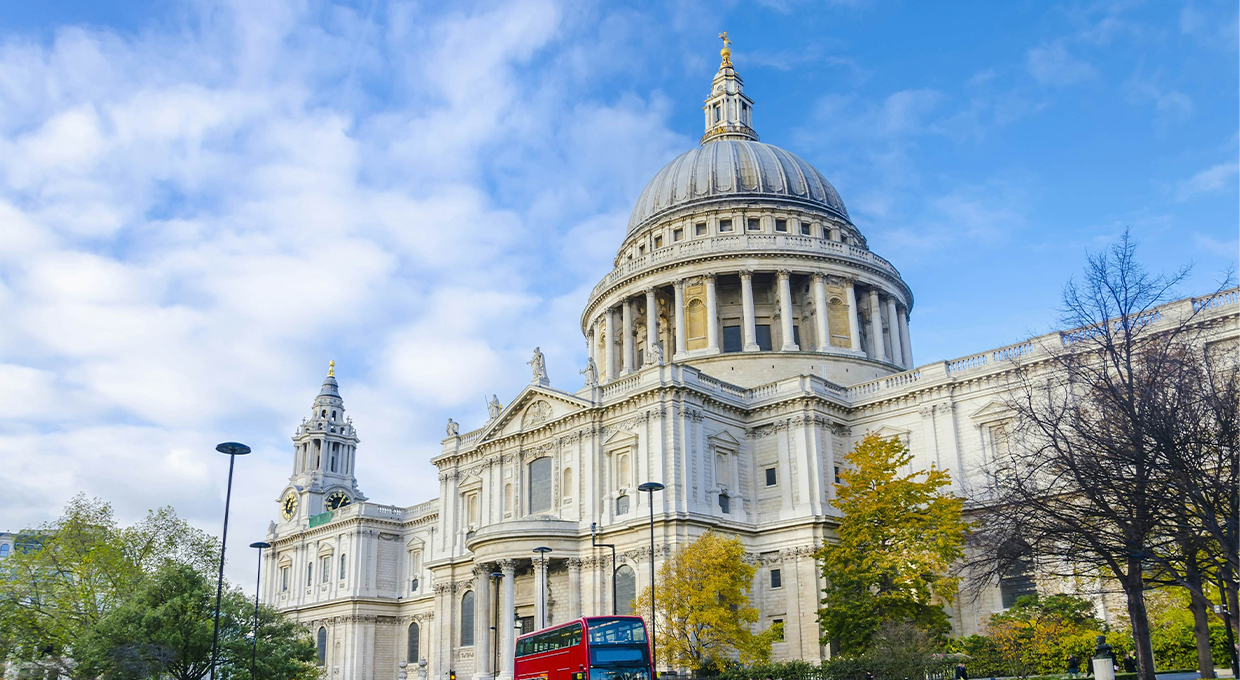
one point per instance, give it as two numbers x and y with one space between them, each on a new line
609 347
652 326
574 588
482 623
854 325
590 344
626 331
785 311
679 285
893 330
905 342
876 328
540 593
712 316
507 619
820 313
751 342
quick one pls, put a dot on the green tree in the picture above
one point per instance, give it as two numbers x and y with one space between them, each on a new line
898 537
165 628
704 616
68 574
1036 635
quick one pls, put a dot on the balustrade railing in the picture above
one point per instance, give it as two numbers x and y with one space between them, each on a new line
739 242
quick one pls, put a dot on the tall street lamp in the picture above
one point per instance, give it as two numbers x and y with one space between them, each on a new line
495 579
542 585
594 542
232 450
258 586
650 488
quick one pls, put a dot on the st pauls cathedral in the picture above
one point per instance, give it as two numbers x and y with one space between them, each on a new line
746 338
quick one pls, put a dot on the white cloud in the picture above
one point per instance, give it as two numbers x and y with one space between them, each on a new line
1216 178
1052 64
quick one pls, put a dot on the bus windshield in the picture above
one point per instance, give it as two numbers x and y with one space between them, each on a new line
617 632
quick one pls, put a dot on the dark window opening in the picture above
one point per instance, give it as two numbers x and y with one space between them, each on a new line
762 335
781 225
699 229
725 503
731 338
777 578
771 478
753 225
805 228
725 225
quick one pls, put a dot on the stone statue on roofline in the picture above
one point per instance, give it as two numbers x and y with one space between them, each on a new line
539 366
590 372
453 428
494 407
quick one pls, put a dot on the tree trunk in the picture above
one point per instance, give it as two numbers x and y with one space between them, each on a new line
1200 608
1201 630
1139 617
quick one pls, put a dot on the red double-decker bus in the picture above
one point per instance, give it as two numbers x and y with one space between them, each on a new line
592 648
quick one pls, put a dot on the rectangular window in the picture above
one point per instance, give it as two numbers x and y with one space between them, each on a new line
658 242
731 338
309 575
641 250
725 225
342 567
780 624
836 472
762 334
678 234
777 578
753 224
725 503
805 228
325 566
796 335
718 113
781 225
699 229
284 579
540 485
771 479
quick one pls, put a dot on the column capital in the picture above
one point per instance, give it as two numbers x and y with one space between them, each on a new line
746 274
574 564
783 274
709 278
508 567
819 276
678 284
649 291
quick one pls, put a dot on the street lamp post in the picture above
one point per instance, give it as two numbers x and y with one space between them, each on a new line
594 542
232 450
495 578
650 488
258 586
542 585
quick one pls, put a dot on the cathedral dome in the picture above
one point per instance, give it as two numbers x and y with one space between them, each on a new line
722 168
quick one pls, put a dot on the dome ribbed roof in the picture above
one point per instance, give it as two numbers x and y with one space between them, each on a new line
734 168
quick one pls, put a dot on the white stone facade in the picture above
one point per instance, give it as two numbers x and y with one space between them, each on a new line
744 342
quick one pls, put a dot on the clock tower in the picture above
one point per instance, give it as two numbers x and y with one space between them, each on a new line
324 451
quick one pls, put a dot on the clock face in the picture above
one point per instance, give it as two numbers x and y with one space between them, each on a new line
338 499
288 506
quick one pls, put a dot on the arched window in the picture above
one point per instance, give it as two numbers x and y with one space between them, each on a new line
540 485
508 498
467 619
626 590
624 474
322 645
412 656
567 491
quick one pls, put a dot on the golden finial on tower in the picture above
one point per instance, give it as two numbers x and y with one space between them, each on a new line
331 368
725 54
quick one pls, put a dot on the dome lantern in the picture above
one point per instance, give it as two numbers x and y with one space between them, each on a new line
729 113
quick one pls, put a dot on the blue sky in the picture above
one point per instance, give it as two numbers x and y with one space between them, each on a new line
202 203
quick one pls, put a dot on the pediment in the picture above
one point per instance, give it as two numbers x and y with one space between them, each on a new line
888 432
533 408
619 438
995 410
469 483
724 438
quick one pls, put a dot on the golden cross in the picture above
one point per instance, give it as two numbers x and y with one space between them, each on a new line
331 367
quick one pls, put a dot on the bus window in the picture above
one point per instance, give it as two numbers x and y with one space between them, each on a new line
605 631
